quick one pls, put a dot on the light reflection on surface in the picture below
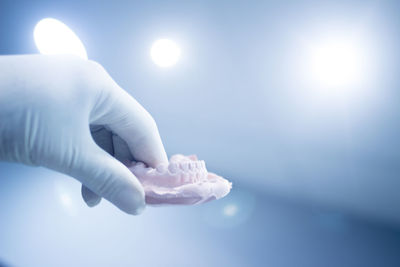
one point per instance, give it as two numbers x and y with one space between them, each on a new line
230 211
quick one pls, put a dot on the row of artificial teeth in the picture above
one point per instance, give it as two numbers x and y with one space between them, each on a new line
175 173
187 166
191 168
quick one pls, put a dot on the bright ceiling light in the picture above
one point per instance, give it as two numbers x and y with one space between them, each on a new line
165 53
54 37
336 63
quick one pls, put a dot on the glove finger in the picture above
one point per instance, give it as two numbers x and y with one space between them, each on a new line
106 177
103 138
90 198
115 146
121 113
120 151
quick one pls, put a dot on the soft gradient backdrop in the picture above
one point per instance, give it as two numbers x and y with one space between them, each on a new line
315 167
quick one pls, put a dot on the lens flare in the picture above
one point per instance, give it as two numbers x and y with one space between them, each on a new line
54 37
165 53
336 63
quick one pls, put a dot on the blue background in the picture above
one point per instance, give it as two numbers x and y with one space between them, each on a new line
316 175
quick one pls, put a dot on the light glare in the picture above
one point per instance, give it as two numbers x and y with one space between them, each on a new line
165 53
336 64
54 37
66 200
230 210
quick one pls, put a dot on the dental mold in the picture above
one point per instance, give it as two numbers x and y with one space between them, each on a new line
184 181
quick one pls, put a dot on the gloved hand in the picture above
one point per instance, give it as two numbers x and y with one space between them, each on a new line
55 111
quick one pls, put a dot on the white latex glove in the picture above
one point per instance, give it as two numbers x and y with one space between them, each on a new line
47 104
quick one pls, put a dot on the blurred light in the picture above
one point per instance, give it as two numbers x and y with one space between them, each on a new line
336 63
66 200
230 210
65 192
54 37
165 53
